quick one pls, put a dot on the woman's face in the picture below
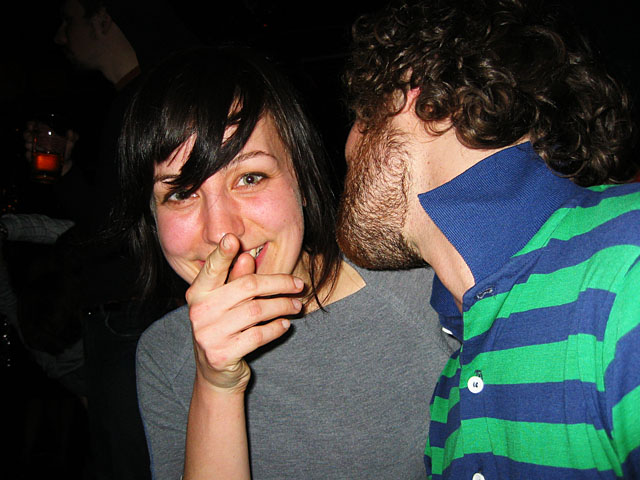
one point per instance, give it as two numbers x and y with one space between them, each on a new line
256 197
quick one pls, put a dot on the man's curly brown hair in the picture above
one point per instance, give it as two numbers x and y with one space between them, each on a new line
500 70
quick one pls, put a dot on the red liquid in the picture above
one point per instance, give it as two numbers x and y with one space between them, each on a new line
47 162
46 167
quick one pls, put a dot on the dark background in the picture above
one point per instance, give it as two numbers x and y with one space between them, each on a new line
308 40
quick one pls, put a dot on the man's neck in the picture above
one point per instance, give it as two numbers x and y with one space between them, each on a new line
435 156
436 160
119 58
118 68
124 81
438 252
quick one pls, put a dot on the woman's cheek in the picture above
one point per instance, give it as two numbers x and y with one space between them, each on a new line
281 211
174 234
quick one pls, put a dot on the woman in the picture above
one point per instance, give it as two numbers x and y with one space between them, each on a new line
224 177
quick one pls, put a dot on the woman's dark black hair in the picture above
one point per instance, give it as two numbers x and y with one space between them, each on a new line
204 91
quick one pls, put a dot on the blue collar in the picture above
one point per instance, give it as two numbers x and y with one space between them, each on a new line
492 210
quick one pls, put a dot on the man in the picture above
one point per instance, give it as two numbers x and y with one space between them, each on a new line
91 39
119 39
478 126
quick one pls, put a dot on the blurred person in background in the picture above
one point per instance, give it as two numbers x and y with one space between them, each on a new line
120 40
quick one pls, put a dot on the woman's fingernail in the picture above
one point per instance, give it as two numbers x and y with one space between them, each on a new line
224 243
297 304
298 283
286 323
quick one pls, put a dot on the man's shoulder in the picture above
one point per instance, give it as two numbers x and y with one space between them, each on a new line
602 199
597 217
609 215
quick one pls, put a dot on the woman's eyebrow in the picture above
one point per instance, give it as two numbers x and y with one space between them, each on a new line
238 159
249 155
163 178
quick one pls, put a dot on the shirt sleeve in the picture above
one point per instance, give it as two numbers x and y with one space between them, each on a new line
34 228
622 375
164 412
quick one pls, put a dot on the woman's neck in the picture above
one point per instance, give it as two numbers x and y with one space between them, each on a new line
348 281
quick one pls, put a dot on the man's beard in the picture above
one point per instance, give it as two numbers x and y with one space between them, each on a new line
374 206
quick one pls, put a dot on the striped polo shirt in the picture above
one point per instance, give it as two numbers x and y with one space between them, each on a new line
546 384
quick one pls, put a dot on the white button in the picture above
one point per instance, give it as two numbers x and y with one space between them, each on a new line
477 476
475 385
447 331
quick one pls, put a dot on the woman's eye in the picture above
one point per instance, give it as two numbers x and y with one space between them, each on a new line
178 196
250 179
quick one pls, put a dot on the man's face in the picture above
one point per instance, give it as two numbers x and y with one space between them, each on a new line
373 208
78 36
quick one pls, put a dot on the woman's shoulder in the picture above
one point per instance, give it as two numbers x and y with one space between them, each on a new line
391 298
403 290
415 281
168 337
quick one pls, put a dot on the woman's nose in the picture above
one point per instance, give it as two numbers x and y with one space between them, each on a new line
221 215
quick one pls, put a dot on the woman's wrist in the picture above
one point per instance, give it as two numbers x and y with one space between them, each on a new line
224 383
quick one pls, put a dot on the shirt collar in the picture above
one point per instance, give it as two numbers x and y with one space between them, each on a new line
492 210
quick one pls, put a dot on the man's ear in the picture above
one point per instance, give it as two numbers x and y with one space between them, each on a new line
411 98
102 22
433 126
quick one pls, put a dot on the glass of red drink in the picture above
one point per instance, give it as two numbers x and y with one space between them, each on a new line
49 144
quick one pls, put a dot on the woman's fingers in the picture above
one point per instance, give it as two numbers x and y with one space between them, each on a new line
259 335
245 301
216 268
245 264
222 351
242 317
223 366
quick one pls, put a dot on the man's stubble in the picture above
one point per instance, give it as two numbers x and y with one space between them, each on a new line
373 208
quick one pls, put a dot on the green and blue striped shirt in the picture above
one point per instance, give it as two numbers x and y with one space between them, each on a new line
546 384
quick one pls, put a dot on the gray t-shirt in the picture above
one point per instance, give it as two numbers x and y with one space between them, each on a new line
345 395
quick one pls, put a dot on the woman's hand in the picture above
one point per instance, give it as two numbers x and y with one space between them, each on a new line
228 311
233 311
